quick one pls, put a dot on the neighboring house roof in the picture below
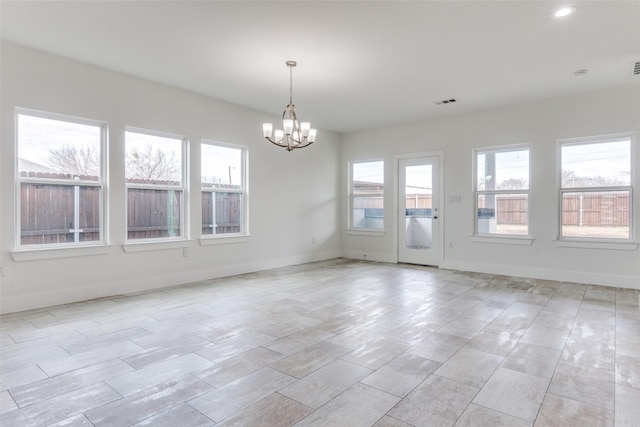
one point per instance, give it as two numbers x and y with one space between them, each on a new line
29 166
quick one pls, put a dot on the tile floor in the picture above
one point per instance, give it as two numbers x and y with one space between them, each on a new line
335 343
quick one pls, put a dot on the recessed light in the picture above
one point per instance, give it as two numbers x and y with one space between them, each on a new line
565 11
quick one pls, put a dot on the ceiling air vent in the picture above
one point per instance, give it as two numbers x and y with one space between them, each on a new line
446 101
636 68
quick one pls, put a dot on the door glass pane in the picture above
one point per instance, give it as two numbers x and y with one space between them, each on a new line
418 207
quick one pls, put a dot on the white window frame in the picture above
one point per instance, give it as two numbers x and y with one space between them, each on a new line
525 239
183 188
101 184
209 239
592 241
365 230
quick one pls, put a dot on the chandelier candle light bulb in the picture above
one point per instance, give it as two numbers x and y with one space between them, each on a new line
296 134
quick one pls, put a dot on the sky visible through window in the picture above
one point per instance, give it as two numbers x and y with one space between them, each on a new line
220 165
610 160
38 136
153 157
509 165
369 172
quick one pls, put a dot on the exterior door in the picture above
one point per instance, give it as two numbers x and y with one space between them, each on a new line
418 211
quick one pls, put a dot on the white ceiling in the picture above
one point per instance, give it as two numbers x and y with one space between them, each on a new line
361 64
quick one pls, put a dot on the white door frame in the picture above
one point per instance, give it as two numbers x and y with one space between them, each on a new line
441 208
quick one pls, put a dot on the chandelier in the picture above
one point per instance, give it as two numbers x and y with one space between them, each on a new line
295 134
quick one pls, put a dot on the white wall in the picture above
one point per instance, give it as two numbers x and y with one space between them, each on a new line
293 196
297 196
538 124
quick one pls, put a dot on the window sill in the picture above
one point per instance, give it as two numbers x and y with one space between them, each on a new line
155 245
52 253
365 232
224 240
592 244
503 240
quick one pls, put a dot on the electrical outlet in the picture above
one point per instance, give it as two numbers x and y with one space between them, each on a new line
185 252
313 240
450 244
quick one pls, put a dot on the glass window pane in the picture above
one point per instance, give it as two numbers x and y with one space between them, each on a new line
227 213
152 159
600 164
368 177
225 216
207 213
153 213
49 148
503 170
418 205
88 214
367 212
418 180
503 214
221 167
481 171
49 214
602 214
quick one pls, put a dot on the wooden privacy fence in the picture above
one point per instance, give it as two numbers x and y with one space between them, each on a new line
54 213
153 213
49 214
588 209
596 209
58 213
509 210
225 218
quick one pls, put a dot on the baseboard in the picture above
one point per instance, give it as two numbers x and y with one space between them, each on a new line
370 256
589 278
11 304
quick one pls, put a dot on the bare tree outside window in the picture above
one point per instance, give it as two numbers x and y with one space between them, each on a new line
152 164
75 160
513 184
571 180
